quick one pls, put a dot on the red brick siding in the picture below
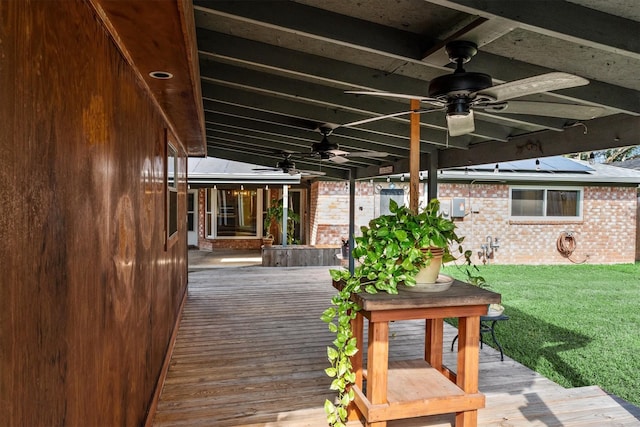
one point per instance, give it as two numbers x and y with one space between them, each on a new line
210 244
606 234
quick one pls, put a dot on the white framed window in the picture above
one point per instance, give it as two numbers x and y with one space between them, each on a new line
551 203
171 174
233 213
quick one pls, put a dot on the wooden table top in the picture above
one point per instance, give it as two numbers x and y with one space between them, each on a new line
459 294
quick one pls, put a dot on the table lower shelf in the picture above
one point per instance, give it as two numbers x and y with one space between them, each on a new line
415 389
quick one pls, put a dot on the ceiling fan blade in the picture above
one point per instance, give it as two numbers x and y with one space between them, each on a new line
338 152
366 154
310 173
395 95
387 116
338 159
459 124
536 84
547 109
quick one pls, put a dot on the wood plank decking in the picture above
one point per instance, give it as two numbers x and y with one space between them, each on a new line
251 352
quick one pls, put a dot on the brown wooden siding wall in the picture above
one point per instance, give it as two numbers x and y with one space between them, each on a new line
89 295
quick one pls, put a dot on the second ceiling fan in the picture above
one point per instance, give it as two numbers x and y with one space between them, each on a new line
462 92
327 150
287 165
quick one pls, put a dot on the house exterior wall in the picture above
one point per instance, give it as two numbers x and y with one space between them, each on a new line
90 287
606 234
638 230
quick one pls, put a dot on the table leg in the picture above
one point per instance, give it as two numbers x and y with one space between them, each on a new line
378 365
433 342
468 361
357 328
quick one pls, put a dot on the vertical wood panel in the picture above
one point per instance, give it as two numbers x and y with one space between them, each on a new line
88 295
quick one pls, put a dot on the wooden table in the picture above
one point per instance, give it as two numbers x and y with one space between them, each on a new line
407 389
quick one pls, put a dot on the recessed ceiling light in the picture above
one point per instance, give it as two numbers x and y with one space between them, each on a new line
161 75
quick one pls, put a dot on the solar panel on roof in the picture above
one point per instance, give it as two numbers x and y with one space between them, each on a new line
557 164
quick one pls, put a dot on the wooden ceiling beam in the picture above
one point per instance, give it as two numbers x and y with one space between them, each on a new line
597 134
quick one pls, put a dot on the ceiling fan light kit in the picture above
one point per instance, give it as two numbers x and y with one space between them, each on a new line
460 124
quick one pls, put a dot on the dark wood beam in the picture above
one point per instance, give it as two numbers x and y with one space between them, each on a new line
247 99
569 21
239 155
310 22
597 134
299 129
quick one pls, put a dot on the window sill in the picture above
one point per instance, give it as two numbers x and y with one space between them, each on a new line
543 221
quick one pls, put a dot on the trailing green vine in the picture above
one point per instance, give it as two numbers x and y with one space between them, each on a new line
389 253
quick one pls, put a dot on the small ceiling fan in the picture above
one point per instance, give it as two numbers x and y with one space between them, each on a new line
327 150
287 165
462 92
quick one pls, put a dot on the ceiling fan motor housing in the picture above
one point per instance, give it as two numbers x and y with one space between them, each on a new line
458 84
286 165
324 148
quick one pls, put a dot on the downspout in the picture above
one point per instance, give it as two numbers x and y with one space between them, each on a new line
432 176
285 208
352 217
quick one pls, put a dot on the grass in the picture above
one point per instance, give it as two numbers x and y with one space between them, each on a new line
577 325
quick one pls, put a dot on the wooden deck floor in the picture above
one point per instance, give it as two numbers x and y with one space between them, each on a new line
251 351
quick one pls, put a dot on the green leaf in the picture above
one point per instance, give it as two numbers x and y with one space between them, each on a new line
328 315
345 399
370 289
332 353
342 368
331 372
337 384
382 232
329 408
401 235
407 264
342 413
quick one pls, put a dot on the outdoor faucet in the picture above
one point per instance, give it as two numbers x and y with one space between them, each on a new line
487 250
482 253
493 245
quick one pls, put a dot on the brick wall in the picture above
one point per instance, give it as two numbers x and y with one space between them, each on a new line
606 234
331 215
210 244
638 230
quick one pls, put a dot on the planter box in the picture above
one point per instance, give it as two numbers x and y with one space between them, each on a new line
300 256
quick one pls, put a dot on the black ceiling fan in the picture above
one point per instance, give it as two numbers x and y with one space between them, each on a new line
462 92
327 150
287 165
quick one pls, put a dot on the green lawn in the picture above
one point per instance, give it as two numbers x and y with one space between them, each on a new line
577 325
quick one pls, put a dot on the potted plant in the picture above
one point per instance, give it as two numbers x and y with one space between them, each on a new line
273 218
267 240
391 252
